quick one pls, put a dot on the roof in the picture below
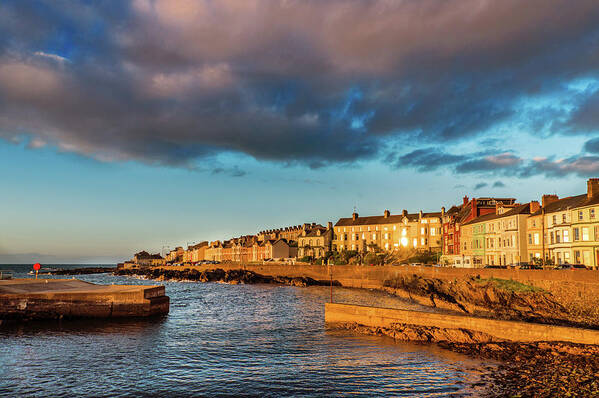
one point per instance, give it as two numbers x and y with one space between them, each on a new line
314 232
392 219
571 202
520 209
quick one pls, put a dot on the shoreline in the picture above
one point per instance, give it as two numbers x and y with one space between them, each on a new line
539 369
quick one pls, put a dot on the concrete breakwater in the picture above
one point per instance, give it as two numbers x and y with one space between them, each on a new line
497 330
23 299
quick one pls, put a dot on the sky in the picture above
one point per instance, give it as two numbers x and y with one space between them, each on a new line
146 124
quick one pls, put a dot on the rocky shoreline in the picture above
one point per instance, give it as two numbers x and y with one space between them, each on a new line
540 369
82 271
238 276
491 298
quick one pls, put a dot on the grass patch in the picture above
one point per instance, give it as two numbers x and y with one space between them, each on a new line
510 285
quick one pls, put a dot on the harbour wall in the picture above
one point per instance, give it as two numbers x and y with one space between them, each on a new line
577 290
505 330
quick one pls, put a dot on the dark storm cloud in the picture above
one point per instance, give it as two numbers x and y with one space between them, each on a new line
498 184
501 164
481 185
309 82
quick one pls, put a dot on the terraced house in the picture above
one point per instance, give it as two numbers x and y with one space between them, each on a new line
315 242
421 231
456 217
500 238
571 228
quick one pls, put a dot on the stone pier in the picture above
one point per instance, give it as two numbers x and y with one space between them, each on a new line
72 298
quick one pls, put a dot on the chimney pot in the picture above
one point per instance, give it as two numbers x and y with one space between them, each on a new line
547 199
465 199
592 188
329 225
386 213
404 212
354 216
534 206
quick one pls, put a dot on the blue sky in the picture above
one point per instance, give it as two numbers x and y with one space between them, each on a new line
135 124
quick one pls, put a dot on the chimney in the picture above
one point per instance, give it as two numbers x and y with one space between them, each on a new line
549 199
386 213
465 200
420 215
592 188
354 216
404 212
318 232
442 211
534 206
329 225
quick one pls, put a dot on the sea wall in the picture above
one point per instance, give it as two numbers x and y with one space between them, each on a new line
577 290
505 330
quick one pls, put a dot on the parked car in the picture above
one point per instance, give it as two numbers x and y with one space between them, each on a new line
571 266
496 266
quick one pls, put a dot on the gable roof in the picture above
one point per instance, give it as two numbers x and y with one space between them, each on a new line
521 209
571 202
392 219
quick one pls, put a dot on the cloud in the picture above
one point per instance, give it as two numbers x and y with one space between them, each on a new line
176 82
481 185
502 164
498 184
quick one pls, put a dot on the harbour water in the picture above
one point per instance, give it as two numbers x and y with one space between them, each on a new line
224 340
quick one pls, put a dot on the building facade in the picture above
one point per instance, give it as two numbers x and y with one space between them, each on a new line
315 242
421 231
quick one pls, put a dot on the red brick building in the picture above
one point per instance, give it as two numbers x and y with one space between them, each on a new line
458 215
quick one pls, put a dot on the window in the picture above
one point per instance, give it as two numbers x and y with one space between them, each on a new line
585 233
386 236
363 236
580 215
530 239
576 256
433 231
394 227
576 234
415 242
373 236
536 238
566 236
551 237
592 213
555 219
597 232
564 218
403 232
557 237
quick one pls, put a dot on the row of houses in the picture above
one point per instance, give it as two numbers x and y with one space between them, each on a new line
555 231
476 233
